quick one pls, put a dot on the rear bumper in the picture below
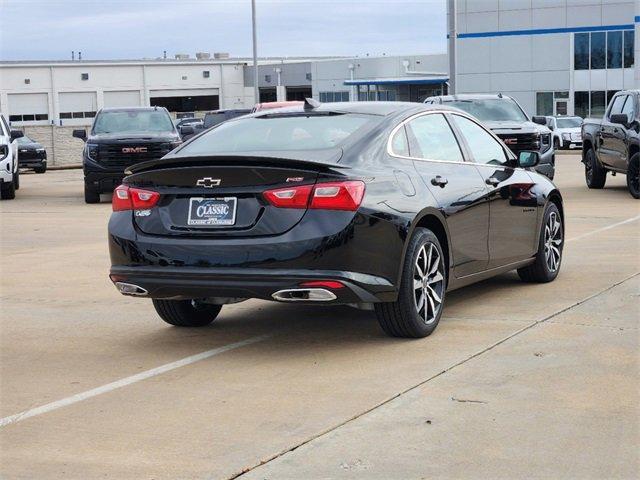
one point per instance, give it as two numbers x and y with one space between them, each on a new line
242 283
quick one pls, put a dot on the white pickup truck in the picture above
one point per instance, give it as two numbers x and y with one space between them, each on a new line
9 174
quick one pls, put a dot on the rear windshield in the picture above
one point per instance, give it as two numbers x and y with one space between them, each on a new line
133 121
283 132
491 109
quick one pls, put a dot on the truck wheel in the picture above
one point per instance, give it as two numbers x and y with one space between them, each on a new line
549 256
556 143
40 169
16 179
8 191
186 313
633 176
91 195
594 174
418 309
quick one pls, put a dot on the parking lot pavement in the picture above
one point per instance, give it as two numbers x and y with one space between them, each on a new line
544 377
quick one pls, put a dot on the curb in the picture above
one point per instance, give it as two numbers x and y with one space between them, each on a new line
64 167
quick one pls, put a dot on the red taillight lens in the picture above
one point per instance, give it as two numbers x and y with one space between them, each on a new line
294 197
338 195
129 198
322 196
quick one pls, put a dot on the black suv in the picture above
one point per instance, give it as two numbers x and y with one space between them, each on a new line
120 137
506 118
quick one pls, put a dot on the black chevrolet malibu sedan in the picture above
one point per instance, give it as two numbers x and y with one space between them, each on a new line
384 206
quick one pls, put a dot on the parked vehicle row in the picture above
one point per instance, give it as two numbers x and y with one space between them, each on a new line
566 131
379 205
611 144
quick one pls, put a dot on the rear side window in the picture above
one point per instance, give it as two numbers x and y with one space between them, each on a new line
431 138
399 143
280 132
484 148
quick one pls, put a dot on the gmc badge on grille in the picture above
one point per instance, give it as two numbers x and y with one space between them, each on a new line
134 149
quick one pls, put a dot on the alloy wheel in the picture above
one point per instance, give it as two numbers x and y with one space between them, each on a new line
553 242
428 283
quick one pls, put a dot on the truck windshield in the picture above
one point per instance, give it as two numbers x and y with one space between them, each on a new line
133 121
279 132
569 122
491 109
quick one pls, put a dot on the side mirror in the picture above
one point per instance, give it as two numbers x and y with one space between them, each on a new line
539 119
16 134
528 159
81 134
620 118
186 130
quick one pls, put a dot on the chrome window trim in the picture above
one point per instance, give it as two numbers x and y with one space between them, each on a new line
466 161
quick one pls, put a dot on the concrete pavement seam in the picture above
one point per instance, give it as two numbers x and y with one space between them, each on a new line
423 382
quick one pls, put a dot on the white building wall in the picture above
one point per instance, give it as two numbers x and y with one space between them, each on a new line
493 58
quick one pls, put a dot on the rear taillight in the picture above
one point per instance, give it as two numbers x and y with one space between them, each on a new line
129 198
345 195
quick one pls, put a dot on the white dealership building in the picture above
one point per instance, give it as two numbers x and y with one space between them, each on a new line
554 56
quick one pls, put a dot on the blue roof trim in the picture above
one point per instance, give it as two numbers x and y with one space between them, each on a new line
412 81
547 31
637 19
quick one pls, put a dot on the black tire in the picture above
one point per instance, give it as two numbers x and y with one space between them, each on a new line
556 143
40 169
186 313
91 195
16 179
404 318
8 191
543 269
594 174
633 176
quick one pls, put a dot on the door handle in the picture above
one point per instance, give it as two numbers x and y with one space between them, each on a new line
439 181
493 181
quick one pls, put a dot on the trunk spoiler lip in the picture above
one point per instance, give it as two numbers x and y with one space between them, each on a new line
324 159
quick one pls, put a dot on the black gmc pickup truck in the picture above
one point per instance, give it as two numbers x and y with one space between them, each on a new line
612 143
120 137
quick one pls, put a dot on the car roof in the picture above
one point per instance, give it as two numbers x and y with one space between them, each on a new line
132 109
367 108
469 96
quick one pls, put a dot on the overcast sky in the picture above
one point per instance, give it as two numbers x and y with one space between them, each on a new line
117 29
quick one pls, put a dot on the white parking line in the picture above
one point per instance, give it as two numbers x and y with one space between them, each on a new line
127 381
608 227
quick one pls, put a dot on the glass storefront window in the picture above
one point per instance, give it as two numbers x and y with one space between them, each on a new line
597 104
628 48
581 51
614 50
581 104
544 103
598 54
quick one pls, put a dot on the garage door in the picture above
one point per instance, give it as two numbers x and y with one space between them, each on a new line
122 98
28 107
77 104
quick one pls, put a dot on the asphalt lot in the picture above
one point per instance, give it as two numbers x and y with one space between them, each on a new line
517 381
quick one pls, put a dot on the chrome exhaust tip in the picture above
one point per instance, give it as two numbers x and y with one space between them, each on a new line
131 289
304 295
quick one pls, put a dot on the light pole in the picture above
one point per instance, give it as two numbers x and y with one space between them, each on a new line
256 92
452 30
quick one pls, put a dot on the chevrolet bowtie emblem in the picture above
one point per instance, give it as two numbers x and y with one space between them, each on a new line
208 182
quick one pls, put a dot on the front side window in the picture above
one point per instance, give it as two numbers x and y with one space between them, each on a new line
133 121
431 138
616 107
484 148
629 106
280 132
